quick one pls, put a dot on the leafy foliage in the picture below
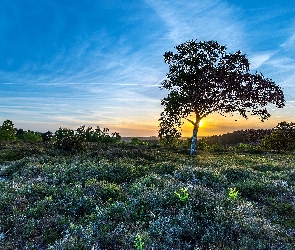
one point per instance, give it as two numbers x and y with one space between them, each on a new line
15 150
136 142
282 137
233 193
203 78
138 242
98 135
62 133
247 136
7 131
71 143
30 136
75 141
47 136
182 194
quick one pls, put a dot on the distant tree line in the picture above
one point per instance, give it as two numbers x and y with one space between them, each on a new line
10 133
63 139
280 138
248 136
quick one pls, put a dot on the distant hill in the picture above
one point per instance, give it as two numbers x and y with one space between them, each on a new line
249 136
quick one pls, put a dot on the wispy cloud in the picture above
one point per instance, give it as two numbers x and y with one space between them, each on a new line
259 58
203 20
106 67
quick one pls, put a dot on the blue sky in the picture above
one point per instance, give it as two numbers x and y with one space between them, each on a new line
66 63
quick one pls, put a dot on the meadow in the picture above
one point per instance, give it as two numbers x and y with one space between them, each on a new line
121 196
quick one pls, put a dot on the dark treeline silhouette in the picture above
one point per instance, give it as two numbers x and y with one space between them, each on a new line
248 136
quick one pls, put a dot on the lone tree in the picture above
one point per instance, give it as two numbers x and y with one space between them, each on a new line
7 131
203 78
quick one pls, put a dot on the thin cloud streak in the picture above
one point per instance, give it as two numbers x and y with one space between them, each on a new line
258 59
203 20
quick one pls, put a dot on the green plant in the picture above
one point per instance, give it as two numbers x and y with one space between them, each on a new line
63 133
136 142
138 242
182 195
98 135
104 190
71 144
233 193
31 136
281 138
7 131
215 148
201 145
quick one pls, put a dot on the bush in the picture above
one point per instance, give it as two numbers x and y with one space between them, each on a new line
7 131
74 141
136 142
248 148
104 190
202 145
71 143
98 135
47 136
282 138
63 133
216 148
31 136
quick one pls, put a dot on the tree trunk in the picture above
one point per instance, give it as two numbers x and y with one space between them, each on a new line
193 150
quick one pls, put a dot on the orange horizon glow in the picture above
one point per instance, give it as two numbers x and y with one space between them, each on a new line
213 124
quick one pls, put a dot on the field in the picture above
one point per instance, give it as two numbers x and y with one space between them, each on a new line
144 197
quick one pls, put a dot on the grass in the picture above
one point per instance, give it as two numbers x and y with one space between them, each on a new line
144 197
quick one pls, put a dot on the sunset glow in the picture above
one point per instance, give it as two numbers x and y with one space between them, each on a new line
201 123
70 63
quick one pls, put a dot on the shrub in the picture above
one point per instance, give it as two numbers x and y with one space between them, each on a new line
136 142
62 133
98 135
31 136
249 148
7 131
282 137
216 148
104 190
202 145
47 136
71 143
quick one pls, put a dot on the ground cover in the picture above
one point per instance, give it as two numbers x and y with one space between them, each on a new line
144 197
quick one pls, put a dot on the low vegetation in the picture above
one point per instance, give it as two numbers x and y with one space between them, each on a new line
124 196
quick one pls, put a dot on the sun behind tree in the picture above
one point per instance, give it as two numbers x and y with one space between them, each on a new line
201 123
203 78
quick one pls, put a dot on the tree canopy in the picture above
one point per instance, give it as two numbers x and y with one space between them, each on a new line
281 138
7 131
203 78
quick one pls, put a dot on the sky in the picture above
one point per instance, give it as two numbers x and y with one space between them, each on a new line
67 63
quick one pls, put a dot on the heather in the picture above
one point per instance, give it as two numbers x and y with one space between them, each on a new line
124 196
